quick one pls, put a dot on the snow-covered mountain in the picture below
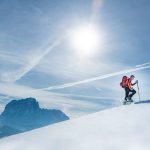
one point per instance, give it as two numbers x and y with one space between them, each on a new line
120 128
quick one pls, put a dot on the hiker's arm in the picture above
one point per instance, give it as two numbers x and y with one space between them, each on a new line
135 83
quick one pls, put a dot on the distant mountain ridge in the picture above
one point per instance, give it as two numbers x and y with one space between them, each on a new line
25 114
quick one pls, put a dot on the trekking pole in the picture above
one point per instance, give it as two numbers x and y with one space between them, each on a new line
139 92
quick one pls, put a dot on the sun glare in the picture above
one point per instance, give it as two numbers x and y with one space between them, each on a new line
85 40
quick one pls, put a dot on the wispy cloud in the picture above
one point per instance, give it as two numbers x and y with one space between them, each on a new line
12 58
142 66
48 48
17 75
36 9
72 107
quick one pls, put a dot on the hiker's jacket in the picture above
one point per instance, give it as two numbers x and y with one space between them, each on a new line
130 84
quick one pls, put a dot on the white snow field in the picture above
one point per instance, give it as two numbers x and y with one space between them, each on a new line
121 128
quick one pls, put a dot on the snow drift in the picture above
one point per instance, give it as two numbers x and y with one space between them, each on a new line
122 128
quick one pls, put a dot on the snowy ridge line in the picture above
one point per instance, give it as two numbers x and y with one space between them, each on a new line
142 66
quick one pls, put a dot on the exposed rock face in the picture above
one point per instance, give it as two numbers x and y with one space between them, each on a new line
25 114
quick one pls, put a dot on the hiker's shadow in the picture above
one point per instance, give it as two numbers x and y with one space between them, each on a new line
143 102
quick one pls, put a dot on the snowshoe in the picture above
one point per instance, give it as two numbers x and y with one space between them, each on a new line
127 102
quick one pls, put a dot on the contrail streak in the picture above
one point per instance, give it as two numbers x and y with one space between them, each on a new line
95 78
148 63
20 73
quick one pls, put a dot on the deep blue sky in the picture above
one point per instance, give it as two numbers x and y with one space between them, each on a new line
28 28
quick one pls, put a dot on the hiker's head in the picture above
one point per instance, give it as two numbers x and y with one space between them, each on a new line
132 77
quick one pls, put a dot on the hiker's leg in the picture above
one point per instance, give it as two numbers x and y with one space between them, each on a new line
132 93
127 90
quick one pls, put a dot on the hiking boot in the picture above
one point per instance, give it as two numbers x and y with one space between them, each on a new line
130 99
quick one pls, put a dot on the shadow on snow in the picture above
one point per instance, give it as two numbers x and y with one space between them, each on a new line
143 102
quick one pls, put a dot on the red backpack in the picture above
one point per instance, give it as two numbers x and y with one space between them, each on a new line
124 81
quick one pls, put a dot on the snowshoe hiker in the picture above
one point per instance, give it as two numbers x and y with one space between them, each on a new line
128 86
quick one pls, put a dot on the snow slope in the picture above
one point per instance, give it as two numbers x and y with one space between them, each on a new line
122 128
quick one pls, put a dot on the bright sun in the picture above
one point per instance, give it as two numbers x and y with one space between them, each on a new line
85 40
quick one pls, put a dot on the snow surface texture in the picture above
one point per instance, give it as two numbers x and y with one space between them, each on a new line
122 128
